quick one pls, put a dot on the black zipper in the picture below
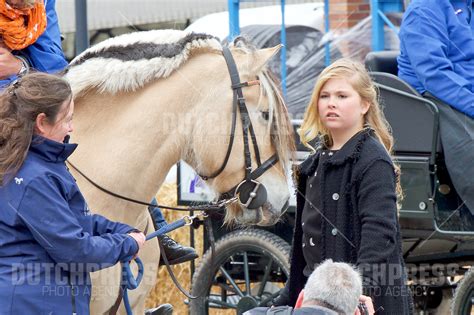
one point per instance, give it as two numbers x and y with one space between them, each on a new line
73 296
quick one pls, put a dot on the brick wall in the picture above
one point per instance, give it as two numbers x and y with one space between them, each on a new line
344 14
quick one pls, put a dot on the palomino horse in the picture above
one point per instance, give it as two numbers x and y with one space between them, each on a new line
146 100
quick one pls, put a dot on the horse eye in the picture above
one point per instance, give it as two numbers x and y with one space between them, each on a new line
265 115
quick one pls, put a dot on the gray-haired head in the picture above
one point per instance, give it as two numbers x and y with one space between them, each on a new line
337 285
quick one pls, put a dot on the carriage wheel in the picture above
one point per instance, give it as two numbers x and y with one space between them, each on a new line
248 270
464 296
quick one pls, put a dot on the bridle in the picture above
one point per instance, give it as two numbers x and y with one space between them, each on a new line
250 193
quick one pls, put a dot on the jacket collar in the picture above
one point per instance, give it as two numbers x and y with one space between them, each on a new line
50 150
350 150
309 165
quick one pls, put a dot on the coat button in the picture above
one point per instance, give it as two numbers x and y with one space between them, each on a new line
335 196
310 185
334 231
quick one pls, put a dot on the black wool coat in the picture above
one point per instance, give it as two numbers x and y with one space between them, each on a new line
359 221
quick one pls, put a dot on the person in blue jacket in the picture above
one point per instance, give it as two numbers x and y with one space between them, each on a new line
45 54
49 240
437 59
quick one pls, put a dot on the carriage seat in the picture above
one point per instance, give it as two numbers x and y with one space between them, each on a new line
413 118
382 61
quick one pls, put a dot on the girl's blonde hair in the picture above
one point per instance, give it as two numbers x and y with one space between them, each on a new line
354 72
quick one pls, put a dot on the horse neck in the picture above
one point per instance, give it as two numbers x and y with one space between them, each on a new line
125 146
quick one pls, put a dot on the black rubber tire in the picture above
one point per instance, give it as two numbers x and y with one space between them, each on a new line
259 245
464 295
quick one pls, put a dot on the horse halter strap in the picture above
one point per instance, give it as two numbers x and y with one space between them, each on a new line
249 186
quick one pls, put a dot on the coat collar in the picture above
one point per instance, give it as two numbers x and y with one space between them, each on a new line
309 165
350 150
50 150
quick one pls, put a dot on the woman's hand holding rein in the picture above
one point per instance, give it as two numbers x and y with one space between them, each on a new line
140 238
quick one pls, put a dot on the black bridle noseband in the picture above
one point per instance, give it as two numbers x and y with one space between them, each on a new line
250 193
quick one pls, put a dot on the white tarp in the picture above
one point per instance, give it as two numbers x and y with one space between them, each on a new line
115 13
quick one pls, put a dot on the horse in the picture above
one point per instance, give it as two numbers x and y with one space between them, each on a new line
144 101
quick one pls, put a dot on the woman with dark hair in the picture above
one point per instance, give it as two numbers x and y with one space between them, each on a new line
49 240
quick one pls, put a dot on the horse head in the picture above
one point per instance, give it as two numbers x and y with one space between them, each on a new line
244 138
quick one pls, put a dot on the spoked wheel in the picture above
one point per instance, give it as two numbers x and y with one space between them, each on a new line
463 300
248 270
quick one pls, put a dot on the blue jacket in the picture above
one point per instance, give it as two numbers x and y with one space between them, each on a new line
49 240
437 51
45 54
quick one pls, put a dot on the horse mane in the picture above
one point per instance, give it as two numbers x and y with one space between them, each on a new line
128 62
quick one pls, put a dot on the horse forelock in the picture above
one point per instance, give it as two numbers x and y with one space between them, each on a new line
281 132
279 123
128 62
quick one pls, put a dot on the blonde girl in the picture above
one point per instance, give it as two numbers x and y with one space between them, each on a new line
347 190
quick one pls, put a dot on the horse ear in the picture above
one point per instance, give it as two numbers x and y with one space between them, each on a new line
262 56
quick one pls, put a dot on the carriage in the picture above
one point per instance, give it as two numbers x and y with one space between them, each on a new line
249 266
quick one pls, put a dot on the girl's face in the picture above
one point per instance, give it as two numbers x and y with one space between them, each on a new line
63 125
341 108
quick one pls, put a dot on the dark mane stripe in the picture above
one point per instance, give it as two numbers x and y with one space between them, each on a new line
140 50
